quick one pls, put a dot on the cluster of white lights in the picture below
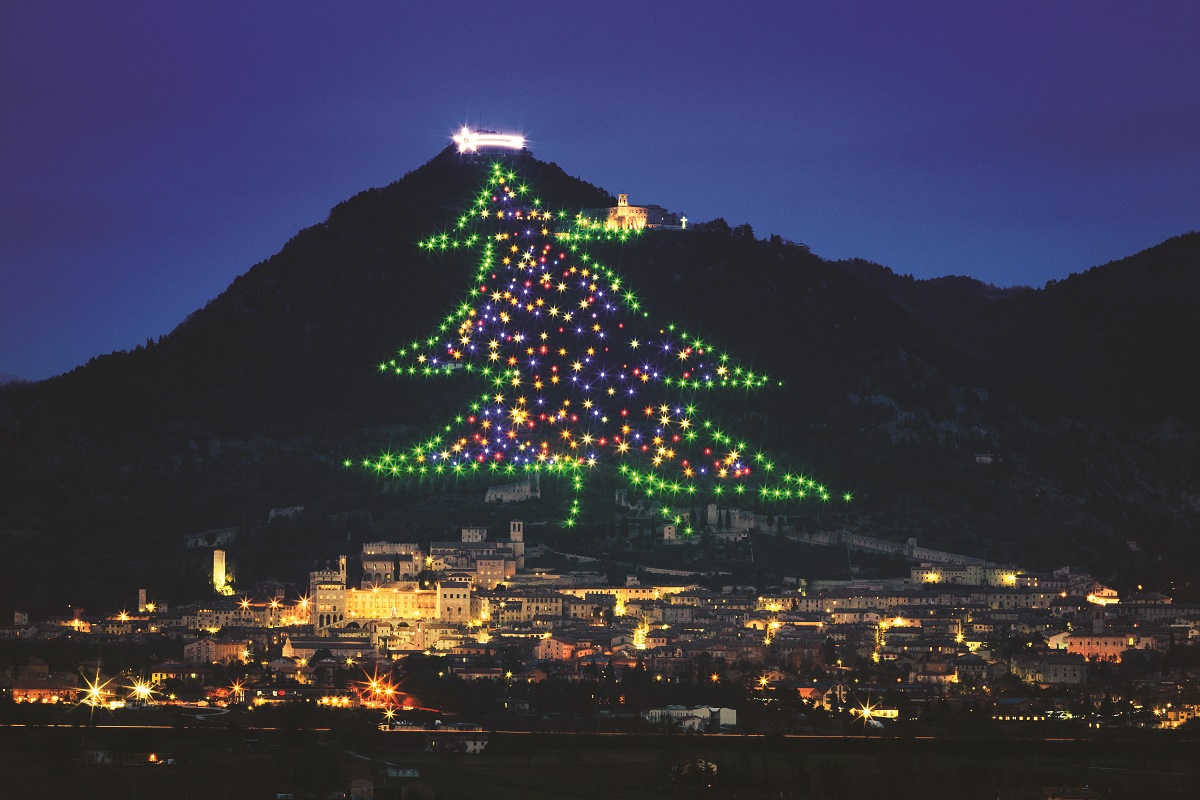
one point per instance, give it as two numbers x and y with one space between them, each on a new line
470 141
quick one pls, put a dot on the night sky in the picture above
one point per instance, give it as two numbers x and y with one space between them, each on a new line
151 152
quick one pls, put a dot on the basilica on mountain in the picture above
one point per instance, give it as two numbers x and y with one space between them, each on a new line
626 217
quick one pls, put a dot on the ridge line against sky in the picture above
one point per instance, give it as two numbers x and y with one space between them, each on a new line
154 152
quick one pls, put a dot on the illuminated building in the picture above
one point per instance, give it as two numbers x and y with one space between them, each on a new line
35 683
218 570
1110 646
626 217
216 650
327 590
454 601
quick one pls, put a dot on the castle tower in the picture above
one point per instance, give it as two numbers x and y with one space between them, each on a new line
218 570
622 200
141 601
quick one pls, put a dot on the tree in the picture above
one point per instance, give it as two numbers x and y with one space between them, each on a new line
574 373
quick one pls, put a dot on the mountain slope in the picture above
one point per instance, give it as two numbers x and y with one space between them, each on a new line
883 384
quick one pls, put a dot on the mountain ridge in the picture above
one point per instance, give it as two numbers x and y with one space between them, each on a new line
888 384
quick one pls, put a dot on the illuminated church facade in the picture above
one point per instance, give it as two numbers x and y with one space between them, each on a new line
626 217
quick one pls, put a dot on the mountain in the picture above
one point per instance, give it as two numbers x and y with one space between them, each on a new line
1103 342
883 384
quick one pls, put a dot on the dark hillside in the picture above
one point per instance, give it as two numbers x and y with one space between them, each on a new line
882 384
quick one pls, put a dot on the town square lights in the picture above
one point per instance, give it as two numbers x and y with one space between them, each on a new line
470 141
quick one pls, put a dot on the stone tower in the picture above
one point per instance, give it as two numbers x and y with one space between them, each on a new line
516 535
218 570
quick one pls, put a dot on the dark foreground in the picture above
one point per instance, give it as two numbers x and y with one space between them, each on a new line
235 761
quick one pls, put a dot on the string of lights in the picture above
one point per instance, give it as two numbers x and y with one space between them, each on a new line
577 376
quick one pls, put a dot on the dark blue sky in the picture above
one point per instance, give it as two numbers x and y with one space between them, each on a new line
150 152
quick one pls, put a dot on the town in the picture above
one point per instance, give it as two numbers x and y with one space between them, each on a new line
394 628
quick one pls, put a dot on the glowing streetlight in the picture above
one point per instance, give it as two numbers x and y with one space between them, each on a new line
142 691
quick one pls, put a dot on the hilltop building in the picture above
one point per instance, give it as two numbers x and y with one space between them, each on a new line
527 489
623 216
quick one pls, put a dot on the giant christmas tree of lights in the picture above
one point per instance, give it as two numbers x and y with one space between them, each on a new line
576 375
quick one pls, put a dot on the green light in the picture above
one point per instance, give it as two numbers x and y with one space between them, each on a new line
491 311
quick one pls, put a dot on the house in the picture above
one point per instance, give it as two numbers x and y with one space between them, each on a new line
693 717
826 695
37 684
454 741
1018 709
216 651
972 669
1062 670
936 671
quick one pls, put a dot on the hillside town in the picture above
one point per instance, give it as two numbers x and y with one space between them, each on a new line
992 644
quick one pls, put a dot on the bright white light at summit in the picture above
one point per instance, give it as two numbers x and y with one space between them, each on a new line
470 141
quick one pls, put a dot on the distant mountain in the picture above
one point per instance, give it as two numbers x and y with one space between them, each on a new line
884 384
1103 342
